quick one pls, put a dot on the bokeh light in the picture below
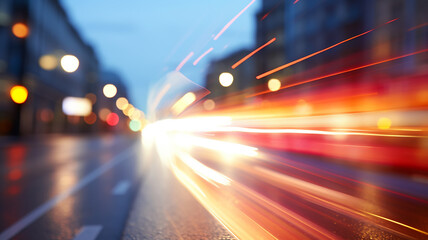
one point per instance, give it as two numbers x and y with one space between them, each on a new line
109 90
92 97
384 123
69 63
274 84
46 115
90 119
209 104
48 62
19 94
112 119
225 79
20 30
135 125
122 103
103 113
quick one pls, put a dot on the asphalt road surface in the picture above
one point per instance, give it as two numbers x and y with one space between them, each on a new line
70 187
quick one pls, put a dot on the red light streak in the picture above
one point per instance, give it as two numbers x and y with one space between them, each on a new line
296 1
233 20
203 55
316 53
184 61
252 53
344 71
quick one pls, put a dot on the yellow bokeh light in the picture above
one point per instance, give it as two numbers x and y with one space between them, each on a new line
109 90
135 115
69 63
122 103
48 62
20 30
384 123
274 84
225 79
19 94
183 102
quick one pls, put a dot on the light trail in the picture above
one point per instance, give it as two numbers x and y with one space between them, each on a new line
184 61
344 71
316 53
233 20
252 53
203 55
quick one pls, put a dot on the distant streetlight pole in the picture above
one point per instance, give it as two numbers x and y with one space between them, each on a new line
20 31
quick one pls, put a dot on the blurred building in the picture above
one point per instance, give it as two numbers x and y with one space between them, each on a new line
243 75
305 27
34 61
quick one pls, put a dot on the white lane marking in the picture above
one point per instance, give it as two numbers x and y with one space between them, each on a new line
41 210
88 232
121 187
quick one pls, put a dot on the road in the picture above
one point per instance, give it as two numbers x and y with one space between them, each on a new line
74 187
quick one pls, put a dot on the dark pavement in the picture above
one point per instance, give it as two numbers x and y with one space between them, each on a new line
69 187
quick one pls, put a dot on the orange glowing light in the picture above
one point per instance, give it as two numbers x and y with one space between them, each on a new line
184 61
233 19
252 53
90 119
122 103
203 55
316 53
19 94
20 30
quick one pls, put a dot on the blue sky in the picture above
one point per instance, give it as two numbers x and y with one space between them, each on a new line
144 40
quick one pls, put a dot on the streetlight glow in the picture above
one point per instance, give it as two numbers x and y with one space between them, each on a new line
109 90
20 30
225 79
274 84
19 94
69 63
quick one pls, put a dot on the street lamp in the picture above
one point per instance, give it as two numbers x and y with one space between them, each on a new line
225 79
19 94
69 63
274 84
20 30
109 90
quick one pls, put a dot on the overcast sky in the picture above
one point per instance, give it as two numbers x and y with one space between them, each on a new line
144 40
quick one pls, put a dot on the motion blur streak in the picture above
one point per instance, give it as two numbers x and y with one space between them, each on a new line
315 53
184 61
202 56
344 71
233 20
252 53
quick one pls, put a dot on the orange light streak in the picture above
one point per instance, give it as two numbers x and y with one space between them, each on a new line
184 61
344 71
233 20
418 26
203 55
252 53
316 53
